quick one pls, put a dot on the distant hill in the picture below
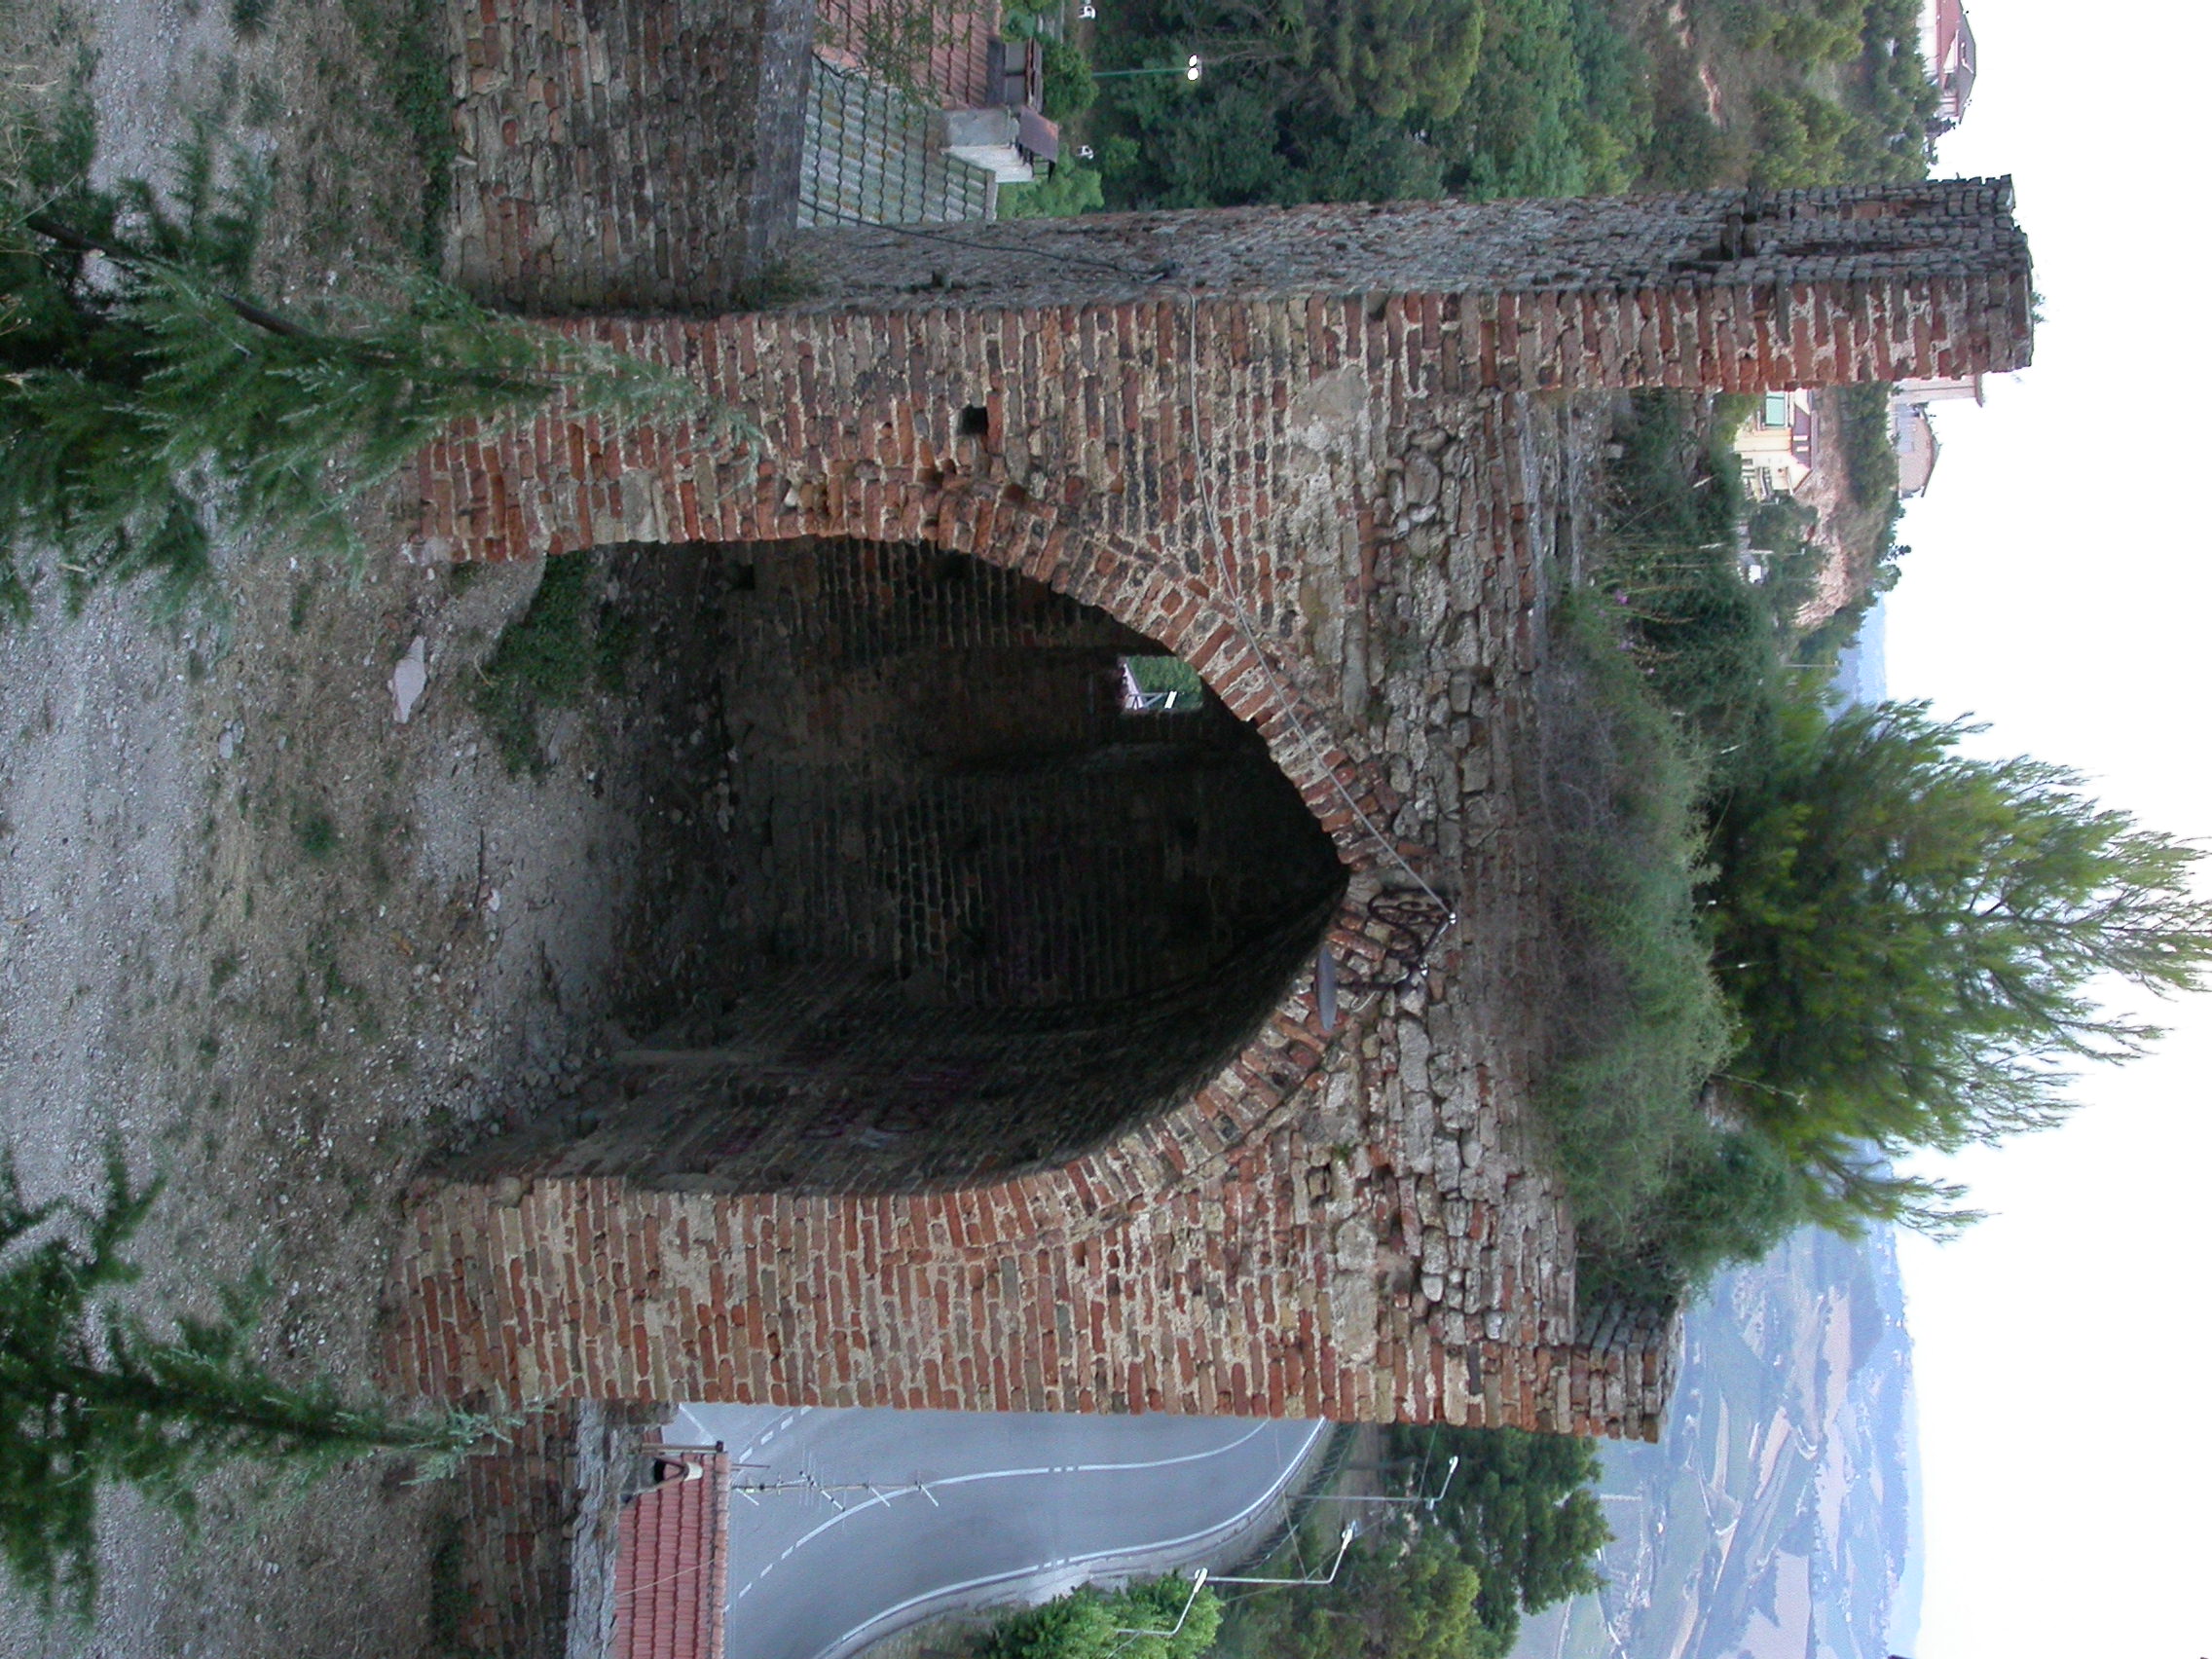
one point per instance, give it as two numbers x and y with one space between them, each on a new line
1776 1518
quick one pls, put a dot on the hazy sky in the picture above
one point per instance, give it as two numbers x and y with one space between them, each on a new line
2061 588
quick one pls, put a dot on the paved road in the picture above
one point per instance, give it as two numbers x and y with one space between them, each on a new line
1009 1508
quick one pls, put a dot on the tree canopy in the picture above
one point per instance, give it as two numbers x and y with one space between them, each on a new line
1913 938
1112 1624
1520 1514
1397 1595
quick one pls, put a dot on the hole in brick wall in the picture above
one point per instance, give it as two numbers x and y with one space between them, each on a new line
944 905
974 421
1161 685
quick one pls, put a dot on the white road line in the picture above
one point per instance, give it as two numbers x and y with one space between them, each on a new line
882 1499
1236 1519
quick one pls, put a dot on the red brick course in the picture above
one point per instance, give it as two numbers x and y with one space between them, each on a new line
1308 461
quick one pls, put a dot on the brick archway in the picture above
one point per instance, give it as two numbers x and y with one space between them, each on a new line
1352 404
965 910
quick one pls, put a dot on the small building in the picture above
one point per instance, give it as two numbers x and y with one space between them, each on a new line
1946 42
671 1562
1775 445
971 97
1913 434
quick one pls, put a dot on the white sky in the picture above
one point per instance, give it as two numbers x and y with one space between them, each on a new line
2062 587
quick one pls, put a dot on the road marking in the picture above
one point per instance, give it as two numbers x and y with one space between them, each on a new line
1238 1518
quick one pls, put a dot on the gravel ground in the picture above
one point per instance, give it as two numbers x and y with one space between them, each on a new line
278 945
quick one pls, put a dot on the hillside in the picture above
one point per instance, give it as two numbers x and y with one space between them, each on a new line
1775 1519
1351 100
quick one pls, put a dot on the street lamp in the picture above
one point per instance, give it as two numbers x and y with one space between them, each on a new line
1193 67
1198 1583
1343 1544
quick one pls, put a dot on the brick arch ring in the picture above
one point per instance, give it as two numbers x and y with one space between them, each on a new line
1156 1159
633 487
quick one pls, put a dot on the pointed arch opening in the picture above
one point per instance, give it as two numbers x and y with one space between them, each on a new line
990 884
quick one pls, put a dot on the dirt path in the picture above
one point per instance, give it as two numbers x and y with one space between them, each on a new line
274 942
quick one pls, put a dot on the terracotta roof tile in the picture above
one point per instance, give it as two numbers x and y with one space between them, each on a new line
671 1571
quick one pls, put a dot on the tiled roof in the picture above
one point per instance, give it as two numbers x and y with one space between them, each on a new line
670 1566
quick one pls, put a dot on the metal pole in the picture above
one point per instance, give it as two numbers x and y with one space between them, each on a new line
1198 1583
1343 1545
1428 1501
1193 67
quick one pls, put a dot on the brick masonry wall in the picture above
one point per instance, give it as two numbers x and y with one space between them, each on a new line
623 154
1342 1224
1734 290
1323 480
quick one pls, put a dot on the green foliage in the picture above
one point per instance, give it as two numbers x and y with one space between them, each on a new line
1706 639
405 39
1385 99
316 834
1096 1624
1520 1512
1166 674
92 1395
1723 1196
1911 935
1687 151
1640 1024
1243 135
1305 105
139 385
250 18
1390 57
1869 449
1396 1597
562 645
1069 88
1070 189
1559 107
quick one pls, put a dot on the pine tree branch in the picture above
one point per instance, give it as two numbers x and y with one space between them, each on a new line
70 236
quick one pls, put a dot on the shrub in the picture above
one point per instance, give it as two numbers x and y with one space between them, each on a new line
1639 1023
1071 189
1070 87
558 648
1869 452
1093 1624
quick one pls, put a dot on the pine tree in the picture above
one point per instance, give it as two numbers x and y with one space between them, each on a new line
92 1395
144 391
1912 939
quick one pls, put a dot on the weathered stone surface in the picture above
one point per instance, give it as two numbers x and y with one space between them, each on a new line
623 155
1313 459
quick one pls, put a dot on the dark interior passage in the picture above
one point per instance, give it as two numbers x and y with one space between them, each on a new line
973 902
